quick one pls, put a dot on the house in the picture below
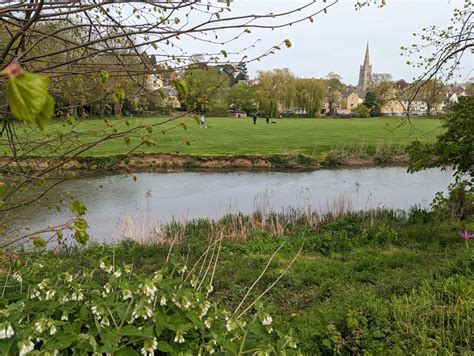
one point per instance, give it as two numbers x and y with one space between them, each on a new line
349 101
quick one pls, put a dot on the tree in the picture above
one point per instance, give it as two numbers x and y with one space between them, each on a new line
309 95
275 90
242 97
242 72
334 89
431 93
453 147
207 91
361 111
371 102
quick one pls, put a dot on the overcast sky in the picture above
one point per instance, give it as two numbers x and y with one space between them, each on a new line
336 41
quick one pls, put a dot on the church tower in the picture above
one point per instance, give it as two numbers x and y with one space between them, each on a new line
365 74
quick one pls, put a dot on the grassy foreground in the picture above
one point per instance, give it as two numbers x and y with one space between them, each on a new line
376 283
232 136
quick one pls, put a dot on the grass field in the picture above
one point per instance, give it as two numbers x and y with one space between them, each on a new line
232 136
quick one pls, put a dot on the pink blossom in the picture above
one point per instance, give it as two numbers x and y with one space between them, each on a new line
466 235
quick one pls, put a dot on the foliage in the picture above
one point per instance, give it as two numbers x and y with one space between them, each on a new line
361 111
275 90
372 103
114 310
334 89
364 282
27 95
453 147
207 90
242 97
309 96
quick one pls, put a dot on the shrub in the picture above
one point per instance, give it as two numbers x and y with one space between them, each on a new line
361 111
128 314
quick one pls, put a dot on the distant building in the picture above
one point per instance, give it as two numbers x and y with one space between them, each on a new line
365 75
349 101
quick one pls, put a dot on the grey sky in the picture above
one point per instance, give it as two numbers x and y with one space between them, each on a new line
336 41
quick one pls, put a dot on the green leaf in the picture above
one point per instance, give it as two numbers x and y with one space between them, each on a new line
118 96
224 53
39 242
288 43
180 87
163 346
104 76
27 95
59 341
126 352
78 207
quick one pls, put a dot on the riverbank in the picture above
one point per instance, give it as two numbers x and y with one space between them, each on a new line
379 282
156 162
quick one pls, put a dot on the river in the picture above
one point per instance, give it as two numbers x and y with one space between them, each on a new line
160 197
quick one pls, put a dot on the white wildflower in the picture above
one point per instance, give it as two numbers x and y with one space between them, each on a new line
267 320
77 296
158 277
43 284
149 347
67 277
149 290
39 326
107 288
64 317
17 277
290 342
179 337
209 288
127 294
194 282
205 309
6 331
52 329
50 294
127 268
207 323
182 269
163 300
105 321
25 347
117 273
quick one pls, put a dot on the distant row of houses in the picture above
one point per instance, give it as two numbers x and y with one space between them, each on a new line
395 107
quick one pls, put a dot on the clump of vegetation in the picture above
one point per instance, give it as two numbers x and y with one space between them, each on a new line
111 309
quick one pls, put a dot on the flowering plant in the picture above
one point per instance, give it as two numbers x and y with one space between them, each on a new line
115 311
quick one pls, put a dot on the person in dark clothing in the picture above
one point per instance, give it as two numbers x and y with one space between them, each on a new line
254 119
267 119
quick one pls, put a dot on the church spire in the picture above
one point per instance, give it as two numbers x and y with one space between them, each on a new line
365 74
366 59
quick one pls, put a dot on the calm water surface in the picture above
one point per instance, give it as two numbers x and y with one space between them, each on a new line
160 197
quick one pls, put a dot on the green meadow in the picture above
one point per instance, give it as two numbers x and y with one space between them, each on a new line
238 136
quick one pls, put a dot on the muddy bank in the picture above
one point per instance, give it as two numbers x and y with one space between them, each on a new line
172 162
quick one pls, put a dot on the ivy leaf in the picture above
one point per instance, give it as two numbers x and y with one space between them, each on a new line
27 95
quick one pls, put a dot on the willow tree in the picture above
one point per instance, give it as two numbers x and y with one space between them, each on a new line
98 55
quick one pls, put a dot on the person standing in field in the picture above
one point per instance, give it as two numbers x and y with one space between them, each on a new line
255 119
202 122
267 119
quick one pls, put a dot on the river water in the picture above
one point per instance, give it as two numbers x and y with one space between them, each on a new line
160 197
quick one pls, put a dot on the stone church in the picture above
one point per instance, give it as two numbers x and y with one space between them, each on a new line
365 75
